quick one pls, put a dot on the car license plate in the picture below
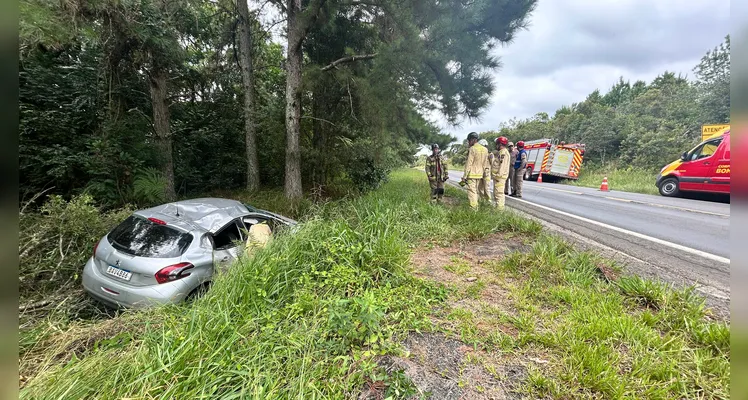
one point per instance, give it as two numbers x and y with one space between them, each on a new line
119 273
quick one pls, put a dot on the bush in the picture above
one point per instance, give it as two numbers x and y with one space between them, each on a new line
366 174
56 241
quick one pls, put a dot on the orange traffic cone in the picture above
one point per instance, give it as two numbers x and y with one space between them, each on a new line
540 178
604 185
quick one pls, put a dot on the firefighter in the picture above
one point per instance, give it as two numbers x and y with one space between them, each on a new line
520 163
509 186
437 172
476 167
500 162
484 186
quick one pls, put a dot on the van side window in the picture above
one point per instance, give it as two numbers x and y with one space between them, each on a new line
706 150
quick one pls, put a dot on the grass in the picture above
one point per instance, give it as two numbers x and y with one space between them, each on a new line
303 318
308 316
619 179
626 339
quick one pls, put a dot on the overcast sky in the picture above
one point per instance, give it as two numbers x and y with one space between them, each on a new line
573 47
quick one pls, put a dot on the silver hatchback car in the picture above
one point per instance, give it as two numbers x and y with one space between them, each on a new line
168 253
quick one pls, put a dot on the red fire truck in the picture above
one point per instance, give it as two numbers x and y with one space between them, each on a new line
562 160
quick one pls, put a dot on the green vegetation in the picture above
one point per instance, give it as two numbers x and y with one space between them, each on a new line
584 336
303 318
620 179
132 114
308 316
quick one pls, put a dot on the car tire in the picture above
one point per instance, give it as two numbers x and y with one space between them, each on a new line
669 187
198 292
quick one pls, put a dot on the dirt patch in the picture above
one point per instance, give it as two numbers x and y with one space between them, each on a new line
467 267
445 369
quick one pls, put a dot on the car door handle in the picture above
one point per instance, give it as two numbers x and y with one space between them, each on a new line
707 163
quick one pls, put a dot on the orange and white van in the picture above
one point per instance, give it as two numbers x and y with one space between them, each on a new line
705 168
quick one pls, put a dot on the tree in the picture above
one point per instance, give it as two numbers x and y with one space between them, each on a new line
247 68
713 83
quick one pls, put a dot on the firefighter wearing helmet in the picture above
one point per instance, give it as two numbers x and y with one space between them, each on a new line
437 172
484 186
520 163
500 159
510 182
476 167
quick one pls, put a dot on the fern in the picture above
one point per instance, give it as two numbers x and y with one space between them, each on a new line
149 186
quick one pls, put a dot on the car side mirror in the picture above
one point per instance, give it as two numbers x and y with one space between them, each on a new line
684 156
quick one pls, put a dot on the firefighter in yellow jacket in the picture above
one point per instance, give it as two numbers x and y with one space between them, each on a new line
484 186
476 167
500 160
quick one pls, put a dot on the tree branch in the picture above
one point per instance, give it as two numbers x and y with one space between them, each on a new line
348 59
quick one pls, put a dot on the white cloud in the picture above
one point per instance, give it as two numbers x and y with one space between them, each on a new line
576 46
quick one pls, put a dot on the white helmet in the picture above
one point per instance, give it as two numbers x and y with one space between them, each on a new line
483 142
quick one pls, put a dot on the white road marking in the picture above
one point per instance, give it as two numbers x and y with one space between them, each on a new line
639 202
561 190
635 234
617 199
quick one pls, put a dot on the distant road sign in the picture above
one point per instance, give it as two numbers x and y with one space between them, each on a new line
708 131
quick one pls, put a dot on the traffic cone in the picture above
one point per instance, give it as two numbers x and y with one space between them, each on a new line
604 185
540 178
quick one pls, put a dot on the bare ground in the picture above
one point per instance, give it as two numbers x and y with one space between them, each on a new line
440 365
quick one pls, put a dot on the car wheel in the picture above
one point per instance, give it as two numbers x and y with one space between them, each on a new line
669 187
198 292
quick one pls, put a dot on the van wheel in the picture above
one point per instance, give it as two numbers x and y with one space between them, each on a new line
669 187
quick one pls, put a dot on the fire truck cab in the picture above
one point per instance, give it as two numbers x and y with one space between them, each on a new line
553 159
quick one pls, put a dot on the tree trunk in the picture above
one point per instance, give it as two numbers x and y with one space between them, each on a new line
245 61
319 138
293 101
159 93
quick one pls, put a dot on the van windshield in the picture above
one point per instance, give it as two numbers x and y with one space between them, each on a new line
140 237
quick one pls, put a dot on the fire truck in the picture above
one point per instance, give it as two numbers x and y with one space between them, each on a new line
561 160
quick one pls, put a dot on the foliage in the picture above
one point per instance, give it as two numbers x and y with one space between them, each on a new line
304 317
56 241
88 72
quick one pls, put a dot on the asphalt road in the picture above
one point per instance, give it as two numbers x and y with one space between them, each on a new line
682 241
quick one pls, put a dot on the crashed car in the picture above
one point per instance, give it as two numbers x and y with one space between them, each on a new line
169 253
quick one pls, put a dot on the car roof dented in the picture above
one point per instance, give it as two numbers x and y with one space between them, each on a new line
207 213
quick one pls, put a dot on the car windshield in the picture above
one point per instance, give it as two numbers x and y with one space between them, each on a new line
142 238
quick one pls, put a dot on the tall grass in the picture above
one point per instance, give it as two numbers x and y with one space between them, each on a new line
301 318
619 179
633 338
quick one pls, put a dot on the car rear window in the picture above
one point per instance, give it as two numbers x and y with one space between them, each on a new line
142 238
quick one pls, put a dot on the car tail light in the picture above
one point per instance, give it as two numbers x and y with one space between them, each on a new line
173 272
157 221
96 246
